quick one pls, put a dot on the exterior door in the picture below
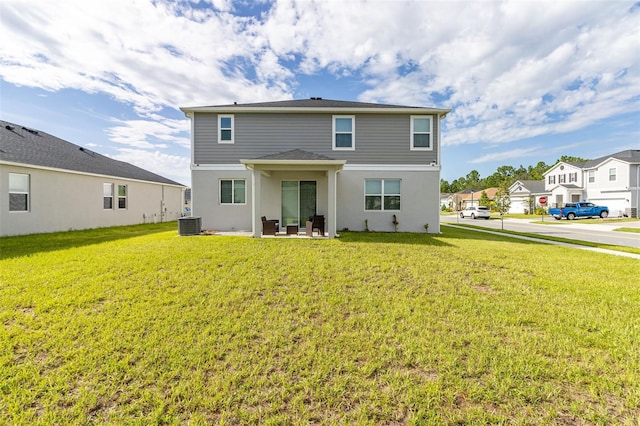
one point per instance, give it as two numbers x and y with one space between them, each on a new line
298 201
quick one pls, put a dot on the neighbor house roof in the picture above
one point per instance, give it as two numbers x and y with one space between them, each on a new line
21 145
314 105
534 186
629 156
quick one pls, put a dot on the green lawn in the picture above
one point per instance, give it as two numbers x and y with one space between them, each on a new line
140 326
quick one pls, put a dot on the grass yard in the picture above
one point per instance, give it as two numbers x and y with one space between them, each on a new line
137 325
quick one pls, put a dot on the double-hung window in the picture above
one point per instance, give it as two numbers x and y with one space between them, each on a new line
233 191
592 176
382 194
226 131
18 192
107 196
344 134
552 179
421 130
562 178
612 174
122 196
573 177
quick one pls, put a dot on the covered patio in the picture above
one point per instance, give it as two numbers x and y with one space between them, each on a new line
291 187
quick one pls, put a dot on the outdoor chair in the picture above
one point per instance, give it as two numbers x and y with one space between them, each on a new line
270 227
315 222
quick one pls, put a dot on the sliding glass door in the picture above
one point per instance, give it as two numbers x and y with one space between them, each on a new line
298 201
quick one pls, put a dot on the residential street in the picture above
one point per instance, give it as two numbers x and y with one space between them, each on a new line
598 233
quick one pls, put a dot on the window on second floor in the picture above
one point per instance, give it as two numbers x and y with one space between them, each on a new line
573 177
552 179
225 129
421 130
18 192
612 174
562 178
343 132
592 176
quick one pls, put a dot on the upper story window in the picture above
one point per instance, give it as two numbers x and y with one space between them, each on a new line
612 174
122 196
343 132
107 196
421 130
18 192
382 194
226 132
592 176
233 191
573 177
552 179
562 178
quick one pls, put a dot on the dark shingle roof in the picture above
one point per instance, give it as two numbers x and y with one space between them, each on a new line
629 155
533 185
314 103
19 144
295 154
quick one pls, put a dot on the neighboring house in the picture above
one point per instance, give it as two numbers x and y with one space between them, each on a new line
525 195
48 185
612 181
289 160
446 201
471 198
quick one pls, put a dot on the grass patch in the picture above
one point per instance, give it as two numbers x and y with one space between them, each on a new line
632 230
371 328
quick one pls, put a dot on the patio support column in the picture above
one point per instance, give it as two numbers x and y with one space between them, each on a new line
332 204
256 202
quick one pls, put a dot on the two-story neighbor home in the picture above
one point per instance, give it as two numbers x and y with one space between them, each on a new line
525 195
359 165
612 181
48 184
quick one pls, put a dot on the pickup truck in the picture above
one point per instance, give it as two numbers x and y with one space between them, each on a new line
582 209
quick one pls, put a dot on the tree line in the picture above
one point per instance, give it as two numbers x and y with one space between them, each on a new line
503 177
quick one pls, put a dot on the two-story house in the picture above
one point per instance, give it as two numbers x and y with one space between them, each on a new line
357 164
612 180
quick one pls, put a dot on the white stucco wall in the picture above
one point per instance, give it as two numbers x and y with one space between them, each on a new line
62 201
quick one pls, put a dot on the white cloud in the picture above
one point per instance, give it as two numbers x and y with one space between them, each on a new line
170 166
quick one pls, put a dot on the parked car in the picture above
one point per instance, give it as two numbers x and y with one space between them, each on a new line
476 212
582 209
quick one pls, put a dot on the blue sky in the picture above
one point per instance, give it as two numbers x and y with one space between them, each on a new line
527 81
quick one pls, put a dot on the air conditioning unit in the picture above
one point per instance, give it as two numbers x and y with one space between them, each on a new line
189 225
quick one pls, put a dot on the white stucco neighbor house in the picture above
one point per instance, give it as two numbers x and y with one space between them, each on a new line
358 165
48 185
525 195
612 181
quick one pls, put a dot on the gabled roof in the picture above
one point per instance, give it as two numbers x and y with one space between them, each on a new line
21 145
533 186
314 105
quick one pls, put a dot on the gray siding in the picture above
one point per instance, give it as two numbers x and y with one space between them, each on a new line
380 138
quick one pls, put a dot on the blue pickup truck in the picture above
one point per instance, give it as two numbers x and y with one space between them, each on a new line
582 209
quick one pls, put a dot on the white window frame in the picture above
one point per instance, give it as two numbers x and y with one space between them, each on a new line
233 192
413 133
552 179
613 176
232 129
123 197
20 192
105 195
562 178
334 133
382 195
591 176
573 177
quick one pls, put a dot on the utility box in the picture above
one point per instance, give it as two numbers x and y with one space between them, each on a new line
189 225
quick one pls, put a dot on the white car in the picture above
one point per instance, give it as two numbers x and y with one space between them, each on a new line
476 212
